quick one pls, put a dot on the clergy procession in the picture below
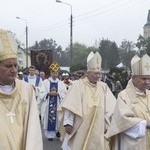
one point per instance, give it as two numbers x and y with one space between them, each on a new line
80 113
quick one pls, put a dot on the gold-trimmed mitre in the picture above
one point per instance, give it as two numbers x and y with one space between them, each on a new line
94 62
54 67
8 45
140 66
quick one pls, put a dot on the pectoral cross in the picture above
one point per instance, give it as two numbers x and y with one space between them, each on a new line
94 97
11 115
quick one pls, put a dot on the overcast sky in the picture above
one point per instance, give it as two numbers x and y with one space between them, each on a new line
92 20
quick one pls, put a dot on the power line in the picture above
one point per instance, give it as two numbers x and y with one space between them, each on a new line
106 11
109 5
77 18
50 28
59 23
53 25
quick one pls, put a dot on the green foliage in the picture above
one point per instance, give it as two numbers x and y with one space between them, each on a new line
49 44
126 52
35 46
109 53
143 45
80 53
141 42
46 44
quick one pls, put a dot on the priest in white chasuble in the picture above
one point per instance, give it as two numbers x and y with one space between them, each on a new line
19 120
86 110
55 92
130 126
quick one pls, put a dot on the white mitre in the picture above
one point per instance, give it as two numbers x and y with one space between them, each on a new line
8 45
140 66
94 62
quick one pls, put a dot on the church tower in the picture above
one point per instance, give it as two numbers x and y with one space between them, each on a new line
147 27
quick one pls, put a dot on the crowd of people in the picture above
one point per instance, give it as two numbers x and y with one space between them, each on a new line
87 111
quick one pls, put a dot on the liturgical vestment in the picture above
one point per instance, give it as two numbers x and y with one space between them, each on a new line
50 104
92 106
131 108
20 129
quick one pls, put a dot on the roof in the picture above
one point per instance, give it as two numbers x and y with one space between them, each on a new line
148 19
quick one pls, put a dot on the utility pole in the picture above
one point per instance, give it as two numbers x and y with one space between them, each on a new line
71 39
27 52
71 31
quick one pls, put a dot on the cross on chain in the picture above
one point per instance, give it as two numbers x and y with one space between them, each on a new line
147 66
11 115
94 97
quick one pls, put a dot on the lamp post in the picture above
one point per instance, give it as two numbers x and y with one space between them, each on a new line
71 30
26 30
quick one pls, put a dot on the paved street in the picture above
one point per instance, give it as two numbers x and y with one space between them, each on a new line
51 145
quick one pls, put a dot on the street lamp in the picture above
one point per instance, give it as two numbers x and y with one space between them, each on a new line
26 29
71 35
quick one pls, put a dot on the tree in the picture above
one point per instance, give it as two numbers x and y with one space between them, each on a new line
127 51
141 42
109 53
143 45
48 44
80 53
79 57
64 58
35 46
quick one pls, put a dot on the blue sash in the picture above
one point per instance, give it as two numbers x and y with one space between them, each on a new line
52 111
36 82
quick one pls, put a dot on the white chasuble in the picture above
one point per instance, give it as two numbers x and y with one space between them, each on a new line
132 107
19 121
91 105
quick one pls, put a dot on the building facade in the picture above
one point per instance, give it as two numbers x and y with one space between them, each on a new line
146 33
22 61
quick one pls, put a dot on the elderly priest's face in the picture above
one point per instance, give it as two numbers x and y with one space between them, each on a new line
94 76
141 82
8 71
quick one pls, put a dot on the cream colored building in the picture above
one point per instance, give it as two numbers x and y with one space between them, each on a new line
22 58
147 27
